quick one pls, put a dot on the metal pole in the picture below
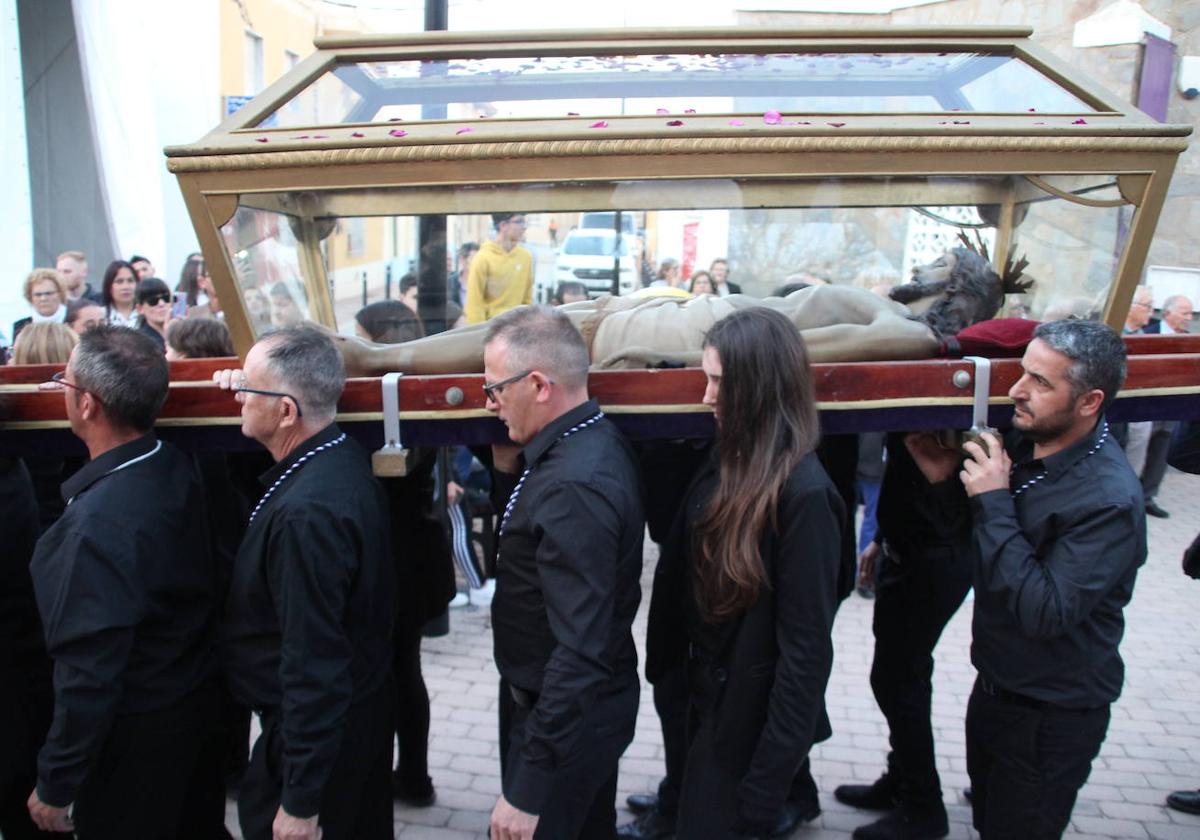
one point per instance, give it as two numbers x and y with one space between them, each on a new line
431 254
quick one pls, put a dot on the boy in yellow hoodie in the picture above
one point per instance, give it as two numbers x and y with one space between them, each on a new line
501 276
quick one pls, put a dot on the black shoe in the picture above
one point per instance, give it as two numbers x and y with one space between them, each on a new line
642 803
880 796
414 795
905 825
1187 801
648 825
795 813
969 795
1152 509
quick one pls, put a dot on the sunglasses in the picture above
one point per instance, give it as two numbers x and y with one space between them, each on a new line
495 389
242 389
156 299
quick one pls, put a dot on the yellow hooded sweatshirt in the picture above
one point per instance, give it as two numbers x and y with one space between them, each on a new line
499 280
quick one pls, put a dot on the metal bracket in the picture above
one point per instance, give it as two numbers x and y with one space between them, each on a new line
983 390
392 459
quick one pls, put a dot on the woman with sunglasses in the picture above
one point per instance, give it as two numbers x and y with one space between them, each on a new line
154 309
752 565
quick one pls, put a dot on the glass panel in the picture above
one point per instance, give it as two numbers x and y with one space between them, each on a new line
264 250
869 232
590 86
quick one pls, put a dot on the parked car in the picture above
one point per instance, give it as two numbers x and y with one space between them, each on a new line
589 254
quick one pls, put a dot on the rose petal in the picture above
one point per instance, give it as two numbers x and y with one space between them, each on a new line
1079 122
1031 109
398 132
836 125
674 122
599 124
300 137
395 119
358 134
962 122
261 140
320 137
572 113
662 112
772 118
464 130
736 122
689 110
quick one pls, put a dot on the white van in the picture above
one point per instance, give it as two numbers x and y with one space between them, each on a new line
588 254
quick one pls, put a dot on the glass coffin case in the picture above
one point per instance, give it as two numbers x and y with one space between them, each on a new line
639 158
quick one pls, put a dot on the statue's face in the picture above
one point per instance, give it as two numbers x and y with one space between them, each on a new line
937 271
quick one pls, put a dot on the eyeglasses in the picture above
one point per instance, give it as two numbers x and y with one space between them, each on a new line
242 389
495 389
156 299
60 378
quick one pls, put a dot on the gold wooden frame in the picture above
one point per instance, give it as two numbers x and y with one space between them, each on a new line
241 159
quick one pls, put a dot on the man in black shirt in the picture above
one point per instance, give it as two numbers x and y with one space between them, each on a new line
126 585
567 586
1060 532
309 624
921 559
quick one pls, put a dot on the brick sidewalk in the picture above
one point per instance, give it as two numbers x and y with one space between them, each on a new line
1153 744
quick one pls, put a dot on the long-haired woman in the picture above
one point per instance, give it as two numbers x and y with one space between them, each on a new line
758 547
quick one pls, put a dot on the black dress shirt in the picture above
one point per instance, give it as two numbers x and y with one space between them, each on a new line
126 586
915 516
309 620
1056 566
567 589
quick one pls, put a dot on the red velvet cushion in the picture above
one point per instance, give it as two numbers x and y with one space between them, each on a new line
997 338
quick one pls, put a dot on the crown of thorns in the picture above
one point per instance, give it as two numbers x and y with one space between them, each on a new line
1014 267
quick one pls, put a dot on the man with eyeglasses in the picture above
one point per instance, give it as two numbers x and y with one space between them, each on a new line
126 586
309 620
501 273
567 584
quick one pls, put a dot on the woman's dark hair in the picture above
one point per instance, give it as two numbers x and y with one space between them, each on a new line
768 423
200 338
110 274
150 287
389 322
189 278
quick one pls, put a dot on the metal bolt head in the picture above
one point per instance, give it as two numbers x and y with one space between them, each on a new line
962 379
454 396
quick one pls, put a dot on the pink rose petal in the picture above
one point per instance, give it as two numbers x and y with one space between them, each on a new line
1079 122
300 137
465 129
320 137
836 125
395 119
662 112
736 122
261 140
398 132
689 110
772 118
674 122
358 134
599 124
1031 109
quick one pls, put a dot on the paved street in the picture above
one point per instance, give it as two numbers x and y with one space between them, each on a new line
1153 745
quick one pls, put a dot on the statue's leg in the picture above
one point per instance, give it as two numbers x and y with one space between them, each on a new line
887 338
636 358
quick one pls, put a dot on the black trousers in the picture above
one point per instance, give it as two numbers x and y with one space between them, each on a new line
1027 764
915 596
1155 468
26 702
671 704
357 800
581 802
159 775
411 714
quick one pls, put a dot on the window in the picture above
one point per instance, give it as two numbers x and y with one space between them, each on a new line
253 63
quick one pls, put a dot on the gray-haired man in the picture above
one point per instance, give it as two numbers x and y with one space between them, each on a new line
1059 536
309 626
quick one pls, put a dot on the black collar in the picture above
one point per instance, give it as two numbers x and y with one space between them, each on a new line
1058 463
324 436
551 432
109 462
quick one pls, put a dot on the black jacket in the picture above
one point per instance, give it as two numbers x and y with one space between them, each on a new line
770 666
